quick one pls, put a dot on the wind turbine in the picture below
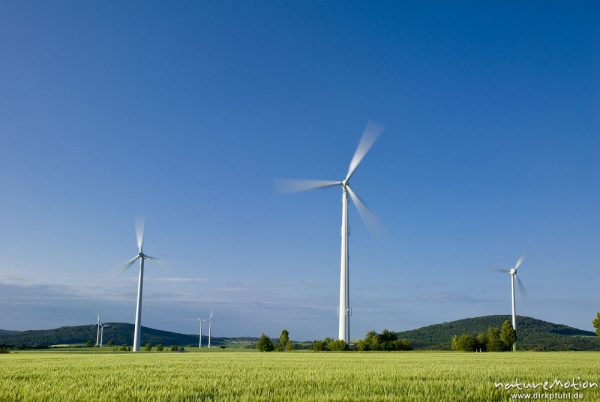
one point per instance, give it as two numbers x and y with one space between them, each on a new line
98 331
102 326
513 274
200 321
210 321
367 140
139 233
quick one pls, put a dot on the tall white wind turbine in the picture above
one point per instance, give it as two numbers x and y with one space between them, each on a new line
200 321
367 140
98 331
513 274
139 232
210 321
102 326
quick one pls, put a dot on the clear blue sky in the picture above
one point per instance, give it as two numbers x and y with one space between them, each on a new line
186 112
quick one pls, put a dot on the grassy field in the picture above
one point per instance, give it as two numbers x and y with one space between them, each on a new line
405 376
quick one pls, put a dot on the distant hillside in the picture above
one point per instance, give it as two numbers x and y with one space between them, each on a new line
119 333
533 334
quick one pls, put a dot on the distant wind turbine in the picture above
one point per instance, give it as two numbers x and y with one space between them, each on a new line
98 331
200 321
513 274
139 232
210 321
102 326
367 140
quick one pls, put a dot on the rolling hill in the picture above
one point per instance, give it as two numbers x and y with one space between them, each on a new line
118 333
533 334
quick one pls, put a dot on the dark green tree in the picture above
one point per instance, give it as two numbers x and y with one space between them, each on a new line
111 343
494 343
159 347
463 343
264 344
148 347
174 348
596 323
508 335
284 338
89 344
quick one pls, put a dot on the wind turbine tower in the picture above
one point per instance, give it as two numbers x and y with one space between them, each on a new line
142 257
370 135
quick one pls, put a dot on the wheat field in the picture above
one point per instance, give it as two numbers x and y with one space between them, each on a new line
404 376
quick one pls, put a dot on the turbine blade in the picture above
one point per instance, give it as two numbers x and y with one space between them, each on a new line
283 186
522 289
367 216
156 261
519 262
123 267
503 270
139 233
367 140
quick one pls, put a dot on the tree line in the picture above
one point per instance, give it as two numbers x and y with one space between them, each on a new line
493 340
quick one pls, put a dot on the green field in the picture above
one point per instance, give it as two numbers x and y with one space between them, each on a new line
237 375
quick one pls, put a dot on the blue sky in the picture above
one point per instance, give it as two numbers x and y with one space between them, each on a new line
186 112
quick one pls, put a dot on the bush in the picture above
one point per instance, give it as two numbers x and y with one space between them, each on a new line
387 340
174 348
111 343
124 348
148 347
463 343
159 347
89 344
4 350
182 349
264 344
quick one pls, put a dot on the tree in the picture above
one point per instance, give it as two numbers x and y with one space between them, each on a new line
463 343
111 343
284 338
89 344
174 348
494 343
596 323
264 344
508 335
289 346
337 346
148 347
159 347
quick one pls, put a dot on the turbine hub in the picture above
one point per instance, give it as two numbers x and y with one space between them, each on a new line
513 271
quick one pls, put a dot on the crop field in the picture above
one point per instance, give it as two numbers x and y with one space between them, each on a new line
404 376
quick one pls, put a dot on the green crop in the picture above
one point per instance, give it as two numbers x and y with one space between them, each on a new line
380 376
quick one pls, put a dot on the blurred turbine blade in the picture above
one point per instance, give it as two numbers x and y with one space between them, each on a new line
157 261
503 270
367 216
519 262
139 233
283 186
128 263
522 289
367 140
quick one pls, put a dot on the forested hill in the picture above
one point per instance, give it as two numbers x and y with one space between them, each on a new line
118 333
533 334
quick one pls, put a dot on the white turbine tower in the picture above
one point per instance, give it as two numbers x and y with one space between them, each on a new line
98 331
210 321
139 231
367 140
200 321
102 326
513 274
